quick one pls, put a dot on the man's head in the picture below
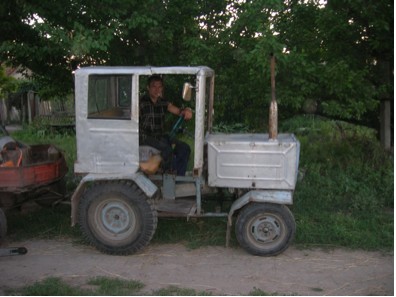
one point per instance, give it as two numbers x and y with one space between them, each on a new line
155 87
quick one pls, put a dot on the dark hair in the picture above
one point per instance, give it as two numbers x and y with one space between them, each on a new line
154 77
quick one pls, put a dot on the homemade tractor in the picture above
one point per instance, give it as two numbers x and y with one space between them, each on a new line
120 196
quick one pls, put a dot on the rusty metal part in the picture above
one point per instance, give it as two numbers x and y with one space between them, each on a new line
273 120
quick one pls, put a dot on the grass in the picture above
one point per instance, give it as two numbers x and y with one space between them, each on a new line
344 196
116 287
194 233
44 223
345 193
259 292
99 286
49 287
105 286
176 291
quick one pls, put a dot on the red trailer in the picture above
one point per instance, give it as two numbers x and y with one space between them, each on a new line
32 172
27 168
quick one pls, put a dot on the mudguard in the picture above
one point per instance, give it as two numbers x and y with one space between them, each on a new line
268 196
144 183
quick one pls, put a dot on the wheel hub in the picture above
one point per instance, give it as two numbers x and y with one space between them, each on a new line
266 229
116 218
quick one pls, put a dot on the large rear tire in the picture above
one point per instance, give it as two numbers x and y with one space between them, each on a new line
3 226
117 218
265 229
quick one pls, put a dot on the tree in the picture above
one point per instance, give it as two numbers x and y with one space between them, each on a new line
52 37
335 54
329 54
340 44
8 84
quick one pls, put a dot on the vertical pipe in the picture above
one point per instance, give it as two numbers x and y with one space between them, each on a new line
199 124
273 110
198 195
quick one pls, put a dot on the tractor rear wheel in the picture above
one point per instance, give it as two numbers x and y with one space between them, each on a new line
117 218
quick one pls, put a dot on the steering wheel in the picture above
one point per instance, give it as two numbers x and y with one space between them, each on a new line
176 126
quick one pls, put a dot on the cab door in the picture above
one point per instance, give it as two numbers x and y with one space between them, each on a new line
107 133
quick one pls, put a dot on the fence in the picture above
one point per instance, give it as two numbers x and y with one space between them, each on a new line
25 107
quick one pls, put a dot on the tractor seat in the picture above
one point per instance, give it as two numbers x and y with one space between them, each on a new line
149 159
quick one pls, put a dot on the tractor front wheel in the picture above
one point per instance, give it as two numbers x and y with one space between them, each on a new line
265 229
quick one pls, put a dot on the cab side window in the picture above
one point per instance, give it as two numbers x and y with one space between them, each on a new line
109 96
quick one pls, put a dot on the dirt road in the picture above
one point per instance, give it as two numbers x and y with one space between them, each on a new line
216 270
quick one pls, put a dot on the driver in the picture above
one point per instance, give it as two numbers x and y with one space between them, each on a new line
153 107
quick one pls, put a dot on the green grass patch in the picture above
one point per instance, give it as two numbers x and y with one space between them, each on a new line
44 223
115 286
345 188
177 291
259 292
194 233
51 286
99 286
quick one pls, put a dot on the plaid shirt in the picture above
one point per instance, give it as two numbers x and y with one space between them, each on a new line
152 116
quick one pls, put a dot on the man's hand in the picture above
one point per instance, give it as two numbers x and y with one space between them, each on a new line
187 113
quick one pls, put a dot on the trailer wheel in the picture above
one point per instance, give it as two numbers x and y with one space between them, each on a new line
117 218
265 229
3 226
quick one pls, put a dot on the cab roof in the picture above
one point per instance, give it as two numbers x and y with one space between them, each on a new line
146 70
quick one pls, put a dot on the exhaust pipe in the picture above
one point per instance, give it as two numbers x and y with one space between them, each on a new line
273 109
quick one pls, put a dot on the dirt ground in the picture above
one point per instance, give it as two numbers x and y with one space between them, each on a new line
215 270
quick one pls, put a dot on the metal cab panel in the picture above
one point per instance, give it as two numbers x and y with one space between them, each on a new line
106 140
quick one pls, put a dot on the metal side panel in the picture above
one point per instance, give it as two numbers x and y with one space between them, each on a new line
107 146
252 161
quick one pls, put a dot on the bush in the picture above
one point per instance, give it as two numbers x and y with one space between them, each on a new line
345 187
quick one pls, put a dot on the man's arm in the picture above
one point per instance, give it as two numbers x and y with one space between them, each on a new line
186 112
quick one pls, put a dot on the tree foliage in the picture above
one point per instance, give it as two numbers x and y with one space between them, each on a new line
7 84
338 54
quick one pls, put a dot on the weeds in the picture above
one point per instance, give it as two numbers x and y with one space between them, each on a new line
44 223
346 187
259 292
99 286
115 287
51 286
176 291
194 233
105 286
